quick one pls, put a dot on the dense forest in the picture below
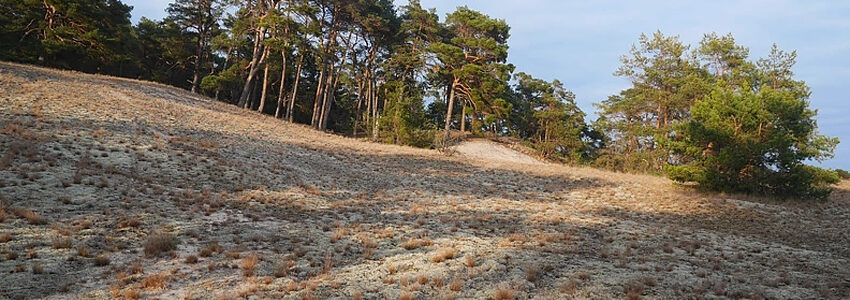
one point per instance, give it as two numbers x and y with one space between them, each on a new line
706 113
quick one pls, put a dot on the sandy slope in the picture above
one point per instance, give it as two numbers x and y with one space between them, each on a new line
485 150
107 162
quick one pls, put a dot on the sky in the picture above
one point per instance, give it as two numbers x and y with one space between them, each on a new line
580 42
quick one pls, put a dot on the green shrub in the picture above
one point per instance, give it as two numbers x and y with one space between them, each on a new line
753 142
843 174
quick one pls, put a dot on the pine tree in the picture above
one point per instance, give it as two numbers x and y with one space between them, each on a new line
754 134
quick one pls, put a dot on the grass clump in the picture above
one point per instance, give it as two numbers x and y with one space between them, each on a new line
249 264
101 260
31 217
443 254
160 243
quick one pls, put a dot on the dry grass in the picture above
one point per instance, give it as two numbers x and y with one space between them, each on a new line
633 290
160 243
443 254
248 265
504 293
132 294
102 260
338 234
62 243
437 281
411 244
282 268
469 260
31 217
82 251
456 285
154 282
406 295
328 263
570 287
532 272
191 259
136 268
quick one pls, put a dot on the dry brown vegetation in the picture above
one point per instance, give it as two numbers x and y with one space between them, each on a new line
160 243
135 178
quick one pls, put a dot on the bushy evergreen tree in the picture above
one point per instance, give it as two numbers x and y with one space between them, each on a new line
754 136
86 35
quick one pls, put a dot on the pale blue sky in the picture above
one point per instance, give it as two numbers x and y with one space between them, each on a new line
580 42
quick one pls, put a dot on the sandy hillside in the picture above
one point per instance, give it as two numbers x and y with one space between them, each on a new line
489 151
115 188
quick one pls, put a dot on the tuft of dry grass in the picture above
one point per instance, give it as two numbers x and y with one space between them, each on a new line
369 246
338 234
328 263
469 261
191 259
570 287
159 243
132 294
411 244
582 276
31 217
437 281
101 260
131 221
532 272
204 252
248 265
154 282
61 243
443 254
281 268
504 293
633 289
456 285
5 237
405 295
136 268
82 251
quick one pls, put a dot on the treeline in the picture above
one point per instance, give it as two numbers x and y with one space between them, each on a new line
402 75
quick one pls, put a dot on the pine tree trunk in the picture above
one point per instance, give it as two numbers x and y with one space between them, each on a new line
330 103
256 60
463 118
319 85
294 89
196 72
262 105
280 94
325 95
368 102
358 115
450 105
374 120
252 98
